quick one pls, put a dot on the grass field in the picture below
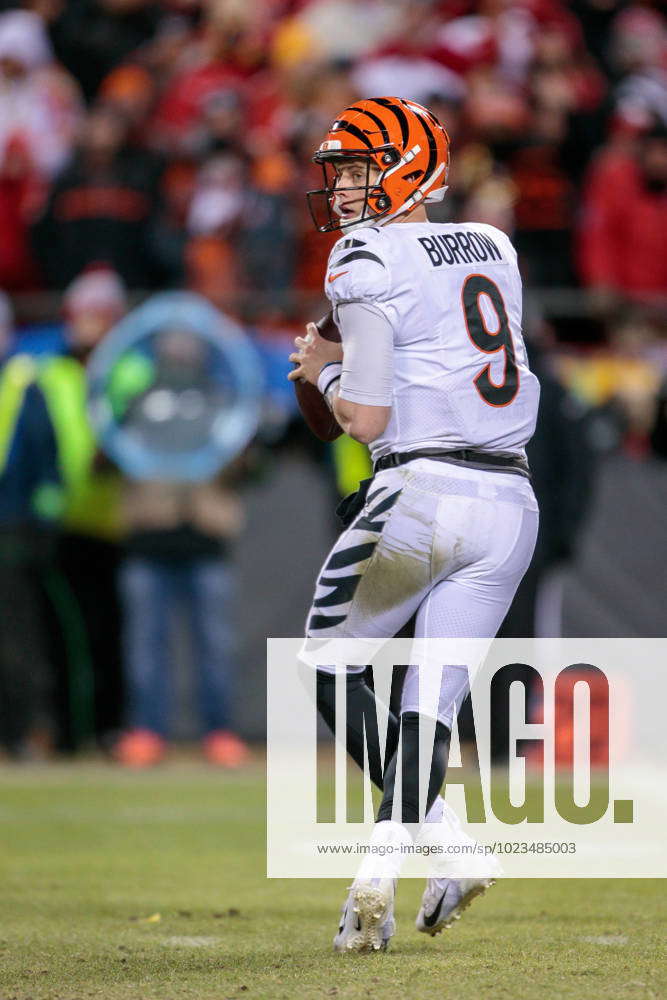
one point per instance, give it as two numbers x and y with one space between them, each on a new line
120 886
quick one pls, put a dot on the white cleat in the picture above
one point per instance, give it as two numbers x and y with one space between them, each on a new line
367 919
445 899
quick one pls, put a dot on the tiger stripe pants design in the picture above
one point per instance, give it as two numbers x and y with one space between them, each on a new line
444 542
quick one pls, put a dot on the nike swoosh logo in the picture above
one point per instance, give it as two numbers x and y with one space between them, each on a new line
433 919
332 277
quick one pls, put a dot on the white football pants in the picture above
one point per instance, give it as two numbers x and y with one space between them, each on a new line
447 542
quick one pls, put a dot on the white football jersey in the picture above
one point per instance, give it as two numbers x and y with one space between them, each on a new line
452 294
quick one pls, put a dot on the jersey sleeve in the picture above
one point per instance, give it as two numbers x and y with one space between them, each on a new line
368 346
358 270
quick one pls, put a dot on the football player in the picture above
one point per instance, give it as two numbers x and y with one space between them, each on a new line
432 374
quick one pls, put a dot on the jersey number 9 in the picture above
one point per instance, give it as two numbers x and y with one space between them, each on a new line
490 343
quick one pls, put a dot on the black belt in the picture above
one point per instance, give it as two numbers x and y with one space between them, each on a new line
352 505
463 456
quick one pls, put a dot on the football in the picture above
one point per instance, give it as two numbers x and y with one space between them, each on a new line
311 402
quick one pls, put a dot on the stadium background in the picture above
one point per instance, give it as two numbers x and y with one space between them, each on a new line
169 145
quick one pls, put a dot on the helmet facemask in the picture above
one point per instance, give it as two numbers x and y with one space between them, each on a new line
327 215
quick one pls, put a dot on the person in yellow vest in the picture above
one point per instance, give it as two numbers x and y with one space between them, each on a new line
89 545
31 501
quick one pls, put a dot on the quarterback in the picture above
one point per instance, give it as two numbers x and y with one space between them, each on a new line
431 373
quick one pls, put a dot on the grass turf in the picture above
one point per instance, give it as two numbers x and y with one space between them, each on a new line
88 854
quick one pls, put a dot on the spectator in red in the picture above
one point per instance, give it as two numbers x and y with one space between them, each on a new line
623 231
211 71
39 111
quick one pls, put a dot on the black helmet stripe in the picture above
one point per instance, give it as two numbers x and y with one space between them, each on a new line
378 121
432 148
429 114
356 132
399 114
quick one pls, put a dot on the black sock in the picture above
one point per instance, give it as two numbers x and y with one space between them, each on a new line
361 711
410 770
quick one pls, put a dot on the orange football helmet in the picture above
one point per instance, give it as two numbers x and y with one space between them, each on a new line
403 140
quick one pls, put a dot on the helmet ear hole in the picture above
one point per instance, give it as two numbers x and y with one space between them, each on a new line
413 176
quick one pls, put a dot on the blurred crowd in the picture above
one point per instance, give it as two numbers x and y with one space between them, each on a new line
173 140
150 145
